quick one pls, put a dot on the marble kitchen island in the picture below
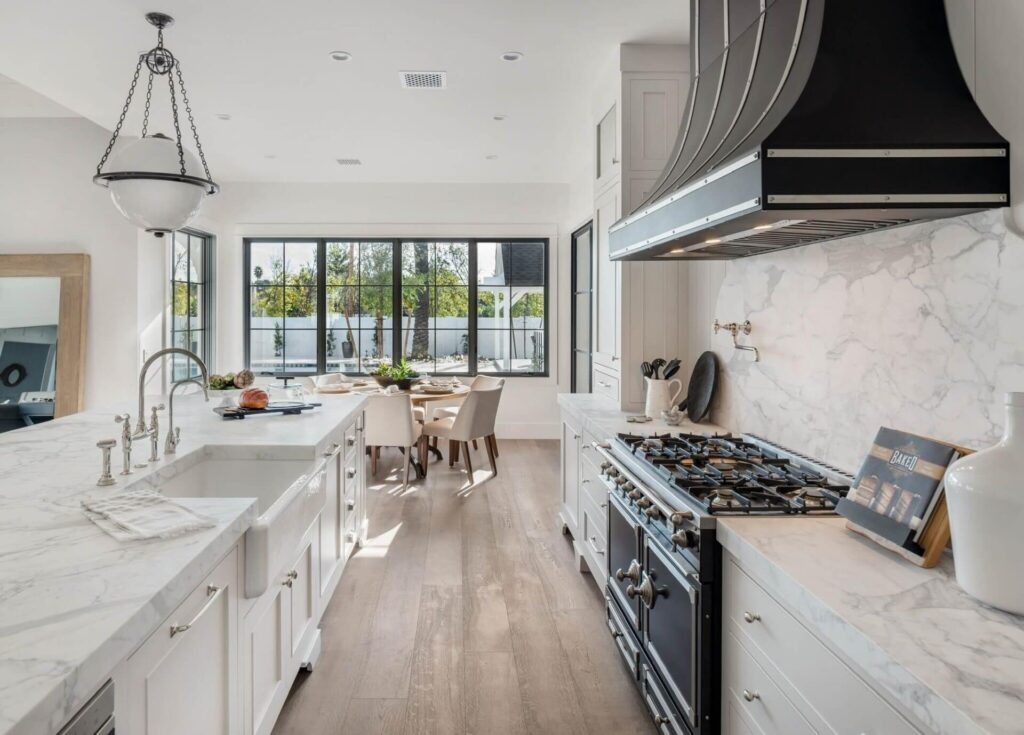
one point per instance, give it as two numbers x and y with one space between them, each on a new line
74 602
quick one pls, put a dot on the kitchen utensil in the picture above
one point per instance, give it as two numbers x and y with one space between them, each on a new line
671 369
645 369
661 395
701 391
657 365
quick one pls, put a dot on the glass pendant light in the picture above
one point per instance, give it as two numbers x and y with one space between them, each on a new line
154 181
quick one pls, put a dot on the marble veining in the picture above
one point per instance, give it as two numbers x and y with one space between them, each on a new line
73 601
947 661
918 328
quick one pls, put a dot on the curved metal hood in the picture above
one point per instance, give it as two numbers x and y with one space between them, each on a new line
810 120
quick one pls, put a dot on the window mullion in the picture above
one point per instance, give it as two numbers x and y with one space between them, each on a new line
321 306
397 320
473 308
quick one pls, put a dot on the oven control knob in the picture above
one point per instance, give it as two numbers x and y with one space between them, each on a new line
685 539
612 472
635 495
653 513
633 573
620 481
644 502
628 487
681 516
605 465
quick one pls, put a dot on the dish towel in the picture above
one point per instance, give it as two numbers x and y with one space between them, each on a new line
143 514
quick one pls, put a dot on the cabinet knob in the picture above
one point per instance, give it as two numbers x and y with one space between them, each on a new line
351 441
350 472
750 696
751 617
662 720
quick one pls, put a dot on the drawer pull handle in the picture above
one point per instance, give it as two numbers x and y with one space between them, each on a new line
585 446
350 472
751 617
290 578
616 634
333 450
593 545
351 441
750 696
662 720
213 593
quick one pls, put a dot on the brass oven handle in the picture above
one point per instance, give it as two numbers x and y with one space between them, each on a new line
212 593
633 573
648 592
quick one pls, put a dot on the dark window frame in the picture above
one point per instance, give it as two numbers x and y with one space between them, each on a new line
574 289
396 286
206 287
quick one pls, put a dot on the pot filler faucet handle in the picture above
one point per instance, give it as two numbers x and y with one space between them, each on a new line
126 441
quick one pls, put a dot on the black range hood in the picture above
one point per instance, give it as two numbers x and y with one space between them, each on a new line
810 120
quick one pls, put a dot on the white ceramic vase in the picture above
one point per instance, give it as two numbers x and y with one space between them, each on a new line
660 396
985 494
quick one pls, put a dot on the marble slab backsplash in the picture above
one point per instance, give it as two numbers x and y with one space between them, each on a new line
920 328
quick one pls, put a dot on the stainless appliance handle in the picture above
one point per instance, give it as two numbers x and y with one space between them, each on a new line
664 509
213 592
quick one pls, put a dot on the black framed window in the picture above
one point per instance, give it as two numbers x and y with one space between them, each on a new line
191 299
582 257
453 306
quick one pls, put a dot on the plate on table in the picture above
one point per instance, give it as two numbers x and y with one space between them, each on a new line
334 389
432 388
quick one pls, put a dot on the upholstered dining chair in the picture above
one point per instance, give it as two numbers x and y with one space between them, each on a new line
480 382
474 420
389 423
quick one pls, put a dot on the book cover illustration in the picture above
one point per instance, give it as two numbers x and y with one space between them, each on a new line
898 486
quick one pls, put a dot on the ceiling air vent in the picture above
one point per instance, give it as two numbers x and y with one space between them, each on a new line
424 79
349 162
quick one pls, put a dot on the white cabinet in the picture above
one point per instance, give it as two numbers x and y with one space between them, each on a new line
607 283
301 582
184 678
778 676
608 157
331 524
570 479
343 521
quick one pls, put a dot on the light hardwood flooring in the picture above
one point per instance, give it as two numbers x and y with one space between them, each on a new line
464 613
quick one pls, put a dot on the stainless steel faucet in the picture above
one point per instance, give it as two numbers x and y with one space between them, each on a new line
126 442
140 427
173 434
154 435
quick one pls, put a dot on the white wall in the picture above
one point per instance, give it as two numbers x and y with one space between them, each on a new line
528 407
48 204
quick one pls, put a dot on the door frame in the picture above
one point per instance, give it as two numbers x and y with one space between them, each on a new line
587 228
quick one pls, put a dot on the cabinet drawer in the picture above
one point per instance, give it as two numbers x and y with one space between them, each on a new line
593 486
623 636
749 688
351 440
663 712
606 384
814 671
592 536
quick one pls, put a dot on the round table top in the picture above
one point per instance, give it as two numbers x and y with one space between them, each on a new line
418 396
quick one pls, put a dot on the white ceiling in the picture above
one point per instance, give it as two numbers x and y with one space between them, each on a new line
265 62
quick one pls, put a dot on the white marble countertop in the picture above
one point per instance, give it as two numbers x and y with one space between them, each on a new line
951 663
603 417
73 601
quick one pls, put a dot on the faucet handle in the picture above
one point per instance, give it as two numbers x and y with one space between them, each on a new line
152 415
105 446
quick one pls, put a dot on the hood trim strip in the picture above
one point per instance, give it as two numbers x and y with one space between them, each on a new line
697 224
885 198
887 153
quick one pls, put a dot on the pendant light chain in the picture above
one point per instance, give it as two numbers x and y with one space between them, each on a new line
177 127
149 97
120 120
191 121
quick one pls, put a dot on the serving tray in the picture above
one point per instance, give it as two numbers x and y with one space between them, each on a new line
279 407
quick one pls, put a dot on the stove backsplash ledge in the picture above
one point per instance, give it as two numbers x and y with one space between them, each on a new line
919 328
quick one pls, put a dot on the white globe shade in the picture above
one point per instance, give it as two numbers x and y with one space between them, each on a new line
155 205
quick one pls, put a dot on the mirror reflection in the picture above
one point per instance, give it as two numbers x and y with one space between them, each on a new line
29 311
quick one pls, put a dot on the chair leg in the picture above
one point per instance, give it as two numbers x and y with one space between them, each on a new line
490 454
453 453
494 444
405 471
423 444
475 447
374 456
468 461
433 442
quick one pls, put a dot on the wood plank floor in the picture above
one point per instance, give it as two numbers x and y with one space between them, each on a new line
464 613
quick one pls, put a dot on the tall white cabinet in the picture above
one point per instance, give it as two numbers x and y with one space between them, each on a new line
639 307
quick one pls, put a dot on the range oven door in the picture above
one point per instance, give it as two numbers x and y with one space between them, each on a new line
624 567
671 600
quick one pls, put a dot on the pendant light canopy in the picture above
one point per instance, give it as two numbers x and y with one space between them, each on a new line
154 181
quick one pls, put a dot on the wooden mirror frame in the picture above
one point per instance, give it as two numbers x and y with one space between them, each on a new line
73 271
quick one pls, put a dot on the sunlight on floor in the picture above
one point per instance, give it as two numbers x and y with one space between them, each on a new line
377 546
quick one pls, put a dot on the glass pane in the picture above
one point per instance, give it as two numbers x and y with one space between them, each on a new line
492 351
527 263
342 306
418 349
451 263
266 263
342 351
375 302
528 351
490 267
195 259
300 308
266 348
195 341
582 372
527 308
376 263
492 308
374 346
179 363
179 257
583 262
417 262
342 263
449 303
300 263
582 322
300 351
451 347
179 306
195 306
265 303
416 306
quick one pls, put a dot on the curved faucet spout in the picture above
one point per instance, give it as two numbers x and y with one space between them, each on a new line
140 426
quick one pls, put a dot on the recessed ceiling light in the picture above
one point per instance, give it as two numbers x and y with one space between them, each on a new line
512 56
223 116
349 162
499 118
341 55
491 157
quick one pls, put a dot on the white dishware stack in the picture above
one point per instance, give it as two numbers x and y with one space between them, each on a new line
985 494
660 396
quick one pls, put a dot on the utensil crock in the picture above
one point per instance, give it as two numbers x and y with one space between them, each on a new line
660 396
